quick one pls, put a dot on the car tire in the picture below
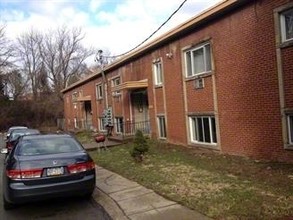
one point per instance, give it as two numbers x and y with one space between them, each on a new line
7 205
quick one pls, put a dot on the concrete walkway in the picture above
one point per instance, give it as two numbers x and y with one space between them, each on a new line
124 199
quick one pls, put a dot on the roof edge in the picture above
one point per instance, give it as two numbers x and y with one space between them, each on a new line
215 10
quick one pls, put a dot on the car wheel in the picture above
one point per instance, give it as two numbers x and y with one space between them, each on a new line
7 205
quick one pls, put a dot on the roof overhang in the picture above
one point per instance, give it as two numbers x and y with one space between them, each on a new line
84 98
130 85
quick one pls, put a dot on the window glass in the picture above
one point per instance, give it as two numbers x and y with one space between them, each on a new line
200 130
188 63
198 60
288 19
162 127
157 68
102 124
99 91
119 124
286 22
207 134
203 129
290 128
208 57
214 133
45 146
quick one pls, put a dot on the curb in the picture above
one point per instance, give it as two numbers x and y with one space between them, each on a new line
109 205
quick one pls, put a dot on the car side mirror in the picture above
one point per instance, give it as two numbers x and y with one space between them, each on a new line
4 151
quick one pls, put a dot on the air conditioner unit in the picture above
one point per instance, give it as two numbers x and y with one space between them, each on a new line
116 94
199 83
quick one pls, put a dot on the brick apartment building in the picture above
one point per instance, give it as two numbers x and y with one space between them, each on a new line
223 80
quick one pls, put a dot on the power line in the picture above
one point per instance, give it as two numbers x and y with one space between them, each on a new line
180 6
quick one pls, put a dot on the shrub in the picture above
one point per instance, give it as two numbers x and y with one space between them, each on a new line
140 146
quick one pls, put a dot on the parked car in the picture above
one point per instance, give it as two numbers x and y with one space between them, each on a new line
15 134
47 166
13 128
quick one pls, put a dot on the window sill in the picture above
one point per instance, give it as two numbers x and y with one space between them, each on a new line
288 147
158 86
205 145
201 75
285 44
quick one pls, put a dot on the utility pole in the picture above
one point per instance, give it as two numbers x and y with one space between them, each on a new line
107 110
101 61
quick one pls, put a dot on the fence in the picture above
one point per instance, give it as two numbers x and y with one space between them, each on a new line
124 129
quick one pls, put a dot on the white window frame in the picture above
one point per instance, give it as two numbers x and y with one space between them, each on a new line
290 128
158 72
102 124
75 123
99 91
284 26
119 125
74 96
195 133
161 123
115 82
190 70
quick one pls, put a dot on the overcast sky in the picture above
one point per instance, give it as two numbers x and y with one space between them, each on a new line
115 25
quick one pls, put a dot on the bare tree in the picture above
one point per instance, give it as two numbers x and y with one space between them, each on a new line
64 56
16 83
6 53
6 49
29 54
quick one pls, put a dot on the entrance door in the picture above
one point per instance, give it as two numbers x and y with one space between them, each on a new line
88 114
140 110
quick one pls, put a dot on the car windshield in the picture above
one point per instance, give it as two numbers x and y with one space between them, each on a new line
44 146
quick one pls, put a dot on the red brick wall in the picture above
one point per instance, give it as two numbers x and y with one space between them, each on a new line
243 47
287 57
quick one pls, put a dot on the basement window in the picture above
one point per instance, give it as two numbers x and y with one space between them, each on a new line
162 127
203 129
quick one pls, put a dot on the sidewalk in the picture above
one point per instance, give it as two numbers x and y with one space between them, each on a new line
124 199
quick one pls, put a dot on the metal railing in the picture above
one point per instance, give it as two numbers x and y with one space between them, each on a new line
130 128
124 129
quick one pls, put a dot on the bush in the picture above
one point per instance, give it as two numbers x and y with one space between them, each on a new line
140 146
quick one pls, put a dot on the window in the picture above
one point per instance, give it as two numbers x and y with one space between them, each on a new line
74 96
75 123
102 124
158 74
286 19
99 91
203 129
198 60
290 128
119 124
162 127
116 82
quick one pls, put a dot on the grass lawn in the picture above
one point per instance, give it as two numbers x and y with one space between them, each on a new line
219 186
